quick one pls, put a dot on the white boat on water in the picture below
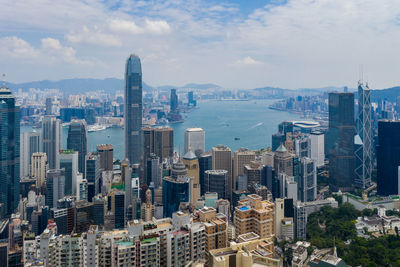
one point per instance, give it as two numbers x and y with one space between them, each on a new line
96 127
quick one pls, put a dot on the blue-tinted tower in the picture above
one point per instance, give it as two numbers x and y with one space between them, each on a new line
9 152
133 109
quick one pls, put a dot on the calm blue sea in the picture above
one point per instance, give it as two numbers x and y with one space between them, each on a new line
251 121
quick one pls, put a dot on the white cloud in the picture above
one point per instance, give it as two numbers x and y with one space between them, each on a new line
316 43
247 61
92 37
16 47
150 26
157 26
119 25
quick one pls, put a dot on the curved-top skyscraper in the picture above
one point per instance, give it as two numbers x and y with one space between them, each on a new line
133 109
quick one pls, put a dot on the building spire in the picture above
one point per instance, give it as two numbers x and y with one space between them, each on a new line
3 80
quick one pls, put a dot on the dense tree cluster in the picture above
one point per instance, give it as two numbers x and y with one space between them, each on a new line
329 226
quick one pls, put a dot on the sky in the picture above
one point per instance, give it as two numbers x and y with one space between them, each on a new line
235 44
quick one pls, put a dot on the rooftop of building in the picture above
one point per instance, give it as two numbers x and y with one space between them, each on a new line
194 130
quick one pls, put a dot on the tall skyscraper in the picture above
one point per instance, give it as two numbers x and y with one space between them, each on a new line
205 164
174 101
69 162
9 151
364 150
317 148
126 177
158 141
93 174
133 109
55 183
51 127
340 139
39 168
307 182
106 152
222 160
283 161
176 189
216 181
192 165
49 106
195 140
30 143
78 141
241 157
388 158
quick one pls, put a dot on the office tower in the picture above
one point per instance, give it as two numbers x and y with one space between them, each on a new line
254 215
49 106
39 168
133 109
78 141
277 139
159 141
51 134
93 175
176 189
154 170
173 101
10 151
126 177
288 187
205 164
69 162
116 204
302 146
216 181
253 172
364 152
55 183
81 188
106 152
215 228
267 178
148 209
241 182
340 140
317 148
388 158
222 160
283 161
195 140
241 157
30 143
307 182
192 165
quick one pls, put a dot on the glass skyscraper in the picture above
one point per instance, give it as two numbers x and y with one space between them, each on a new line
388 157
78 141
9 152
133 109
51 133
340 141
363 140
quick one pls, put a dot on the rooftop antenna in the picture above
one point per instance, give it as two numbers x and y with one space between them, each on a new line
3 80
361 74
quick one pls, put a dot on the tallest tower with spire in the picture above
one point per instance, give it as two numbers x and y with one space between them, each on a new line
9 151
133 109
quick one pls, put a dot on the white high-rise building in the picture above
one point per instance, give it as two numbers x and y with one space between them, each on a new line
39 168
317 148
195 140
30 143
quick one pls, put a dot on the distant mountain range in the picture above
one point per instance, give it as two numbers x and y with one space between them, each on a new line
110 85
